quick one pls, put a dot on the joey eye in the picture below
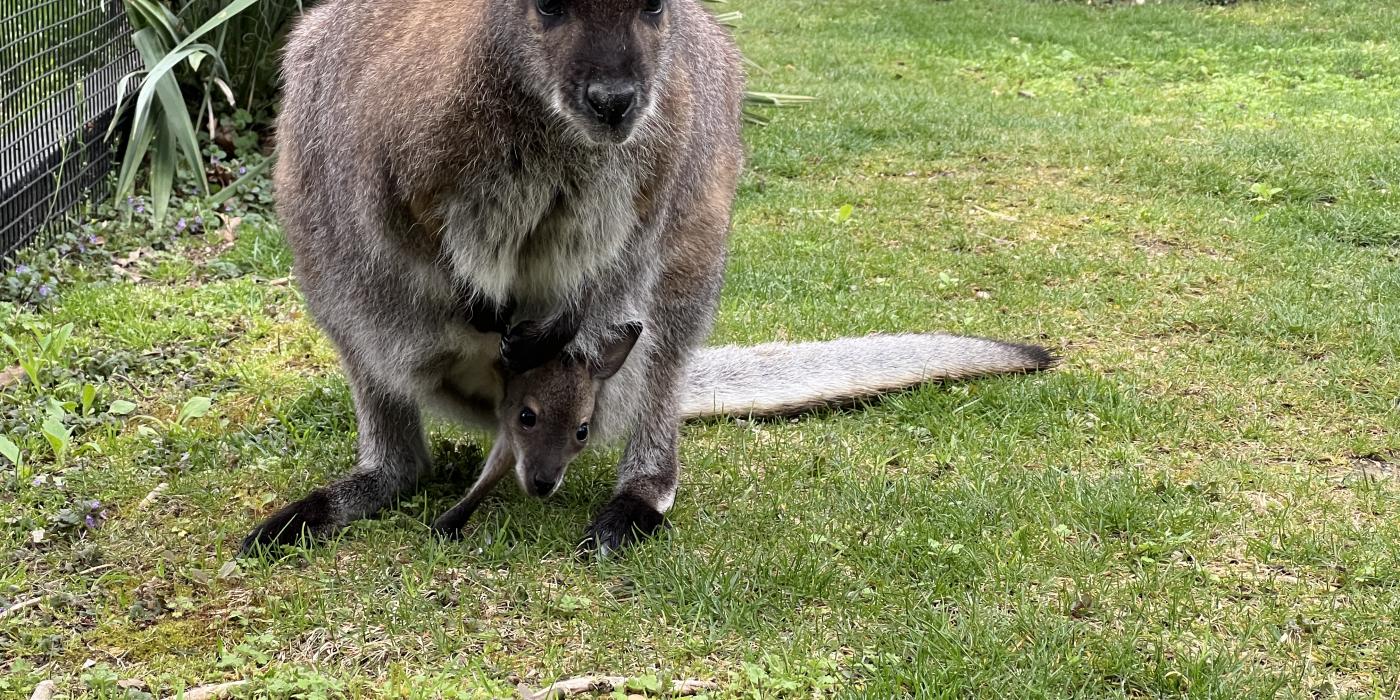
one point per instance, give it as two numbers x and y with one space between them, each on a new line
652 7
527 418
550 8
582 434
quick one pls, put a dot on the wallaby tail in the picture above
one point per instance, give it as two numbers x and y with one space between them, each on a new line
776 379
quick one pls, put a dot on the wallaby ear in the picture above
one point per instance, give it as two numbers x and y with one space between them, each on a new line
624 338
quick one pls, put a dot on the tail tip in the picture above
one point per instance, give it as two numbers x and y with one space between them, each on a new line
1037 358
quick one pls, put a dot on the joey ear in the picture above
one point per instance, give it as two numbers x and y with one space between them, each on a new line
617 349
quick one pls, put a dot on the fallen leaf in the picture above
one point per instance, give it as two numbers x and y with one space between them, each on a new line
229 231
10 376
229 568
126 273
209 692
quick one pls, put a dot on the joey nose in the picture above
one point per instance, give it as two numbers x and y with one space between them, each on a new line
611 100
543 486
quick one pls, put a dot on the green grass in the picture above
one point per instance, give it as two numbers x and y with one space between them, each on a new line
1196 205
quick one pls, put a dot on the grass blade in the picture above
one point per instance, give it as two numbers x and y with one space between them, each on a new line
122 86
729 19
773 99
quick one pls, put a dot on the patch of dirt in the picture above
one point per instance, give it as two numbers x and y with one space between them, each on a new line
1373 468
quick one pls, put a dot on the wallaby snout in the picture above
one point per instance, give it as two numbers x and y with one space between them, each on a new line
540 469
598 63
543 487
541 480
541 461
607 99
611 100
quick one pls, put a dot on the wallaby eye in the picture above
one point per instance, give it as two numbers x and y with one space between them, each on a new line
527 418
583 433
652 7
551 8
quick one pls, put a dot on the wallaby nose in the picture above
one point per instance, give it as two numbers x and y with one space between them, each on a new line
611 100
543 486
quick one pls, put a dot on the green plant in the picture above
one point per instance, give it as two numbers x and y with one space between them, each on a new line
12 452
161 123
1263 192
56 432
86 396
59 403
298 682
195 407
252 59
99 678
46 351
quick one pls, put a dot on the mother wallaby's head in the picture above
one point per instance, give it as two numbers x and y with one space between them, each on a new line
599 64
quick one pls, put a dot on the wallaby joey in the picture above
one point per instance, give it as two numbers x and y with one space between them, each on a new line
544 423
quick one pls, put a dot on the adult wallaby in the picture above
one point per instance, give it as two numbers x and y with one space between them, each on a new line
546 413
567 165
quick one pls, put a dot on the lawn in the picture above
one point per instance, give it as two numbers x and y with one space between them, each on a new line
1198 206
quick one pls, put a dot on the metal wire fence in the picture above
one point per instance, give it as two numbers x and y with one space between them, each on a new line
60 62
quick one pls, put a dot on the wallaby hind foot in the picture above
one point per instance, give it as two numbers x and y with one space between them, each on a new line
392 455
301 521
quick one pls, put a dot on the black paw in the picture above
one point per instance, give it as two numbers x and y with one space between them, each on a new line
447 532
624 520
449 525
529 344
298 521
